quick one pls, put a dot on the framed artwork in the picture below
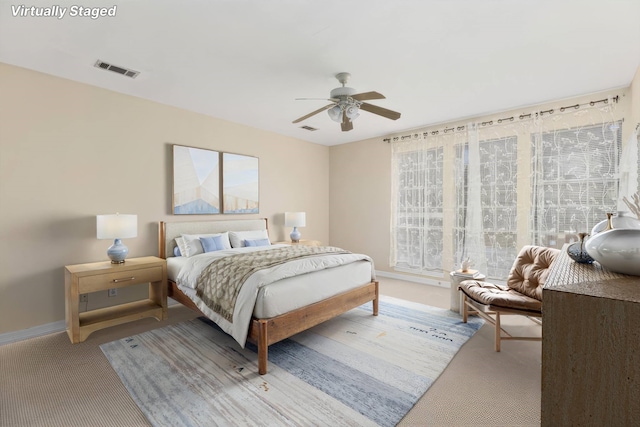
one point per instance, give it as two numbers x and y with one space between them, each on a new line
240 186
196 181
209 182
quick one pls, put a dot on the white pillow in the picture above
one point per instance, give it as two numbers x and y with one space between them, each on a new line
181 246
238 237
193 246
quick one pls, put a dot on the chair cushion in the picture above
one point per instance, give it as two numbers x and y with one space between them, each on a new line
499 296
530 270
524 284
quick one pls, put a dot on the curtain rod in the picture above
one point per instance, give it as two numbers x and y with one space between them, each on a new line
491 122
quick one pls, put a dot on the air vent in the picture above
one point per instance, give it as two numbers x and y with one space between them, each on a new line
309 128
120 70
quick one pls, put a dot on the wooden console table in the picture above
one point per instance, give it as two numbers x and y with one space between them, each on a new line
100 276
590 346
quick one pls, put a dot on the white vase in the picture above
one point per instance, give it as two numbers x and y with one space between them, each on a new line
622 219
617 250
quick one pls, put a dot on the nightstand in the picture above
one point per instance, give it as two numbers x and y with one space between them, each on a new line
100 276
302 242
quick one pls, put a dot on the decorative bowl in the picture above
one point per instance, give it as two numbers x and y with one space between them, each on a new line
617 250
578 252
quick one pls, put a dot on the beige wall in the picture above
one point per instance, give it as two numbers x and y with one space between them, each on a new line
59 140
359 198
360 175
69 151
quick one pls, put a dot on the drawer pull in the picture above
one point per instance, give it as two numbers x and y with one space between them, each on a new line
123 280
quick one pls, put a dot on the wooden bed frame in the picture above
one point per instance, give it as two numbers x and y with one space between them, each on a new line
264 332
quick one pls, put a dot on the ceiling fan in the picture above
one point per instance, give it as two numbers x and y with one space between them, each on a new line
346 105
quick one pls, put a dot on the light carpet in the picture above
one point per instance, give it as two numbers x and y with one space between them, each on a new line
356 369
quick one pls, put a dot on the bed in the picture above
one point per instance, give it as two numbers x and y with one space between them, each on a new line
283 308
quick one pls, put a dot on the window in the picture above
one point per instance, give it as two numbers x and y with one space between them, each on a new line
418 231
498 200
486 189
575 172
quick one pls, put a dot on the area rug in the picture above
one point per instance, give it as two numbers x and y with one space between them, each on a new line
356 369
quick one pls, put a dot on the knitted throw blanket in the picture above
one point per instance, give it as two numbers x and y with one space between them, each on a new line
220 282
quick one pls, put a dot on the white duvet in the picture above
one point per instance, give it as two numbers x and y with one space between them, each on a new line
239 328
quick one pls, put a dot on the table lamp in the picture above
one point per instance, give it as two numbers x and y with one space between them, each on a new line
117 227
295 220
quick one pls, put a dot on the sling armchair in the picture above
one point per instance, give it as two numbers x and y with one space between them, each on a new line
522 294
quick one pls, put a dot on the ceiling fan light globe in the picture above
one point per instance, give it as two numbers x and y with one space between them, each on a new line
352 112
335 113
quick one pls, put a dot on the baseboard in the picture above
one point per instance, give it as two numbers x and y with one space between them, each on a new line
415 279
36 331
49 328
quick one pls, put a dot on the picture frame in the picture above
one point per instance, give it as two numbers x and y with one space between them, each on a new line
240 184
196 181
208 182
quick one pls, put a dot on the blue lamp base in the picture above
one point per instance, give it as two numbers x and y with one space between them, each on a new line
295 235
117 252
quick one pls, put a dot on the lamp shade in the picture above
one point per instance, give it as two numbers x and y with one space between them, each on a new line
116 226
295 219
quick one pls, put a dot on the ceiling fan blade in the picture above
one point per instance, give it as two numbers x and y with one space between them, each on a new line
346 124
393 115
318 99
367 96
319 110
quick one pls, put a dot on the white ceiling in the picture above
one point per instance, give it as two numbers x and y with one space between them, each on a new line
247 60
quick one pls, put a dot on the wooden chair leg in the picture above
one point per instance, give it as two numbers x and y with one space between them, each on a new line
465 312
498 331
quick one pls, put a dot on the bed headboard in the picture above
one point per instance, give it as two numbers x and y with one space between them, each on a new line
170 230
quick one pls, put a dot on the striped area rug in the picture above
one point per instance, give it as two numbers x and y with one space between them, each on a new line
356 369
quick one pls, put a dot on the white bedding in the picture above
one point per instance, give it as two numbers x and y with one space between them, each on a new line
277 290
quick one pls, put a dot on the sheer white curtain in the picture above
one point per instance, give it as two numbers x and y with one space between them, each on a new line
486 177
417 204
473 238
575 175
629 171
485 189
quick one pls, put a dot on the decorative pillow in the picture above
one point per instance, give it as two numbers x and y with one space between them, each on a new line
182 249
237 238
193 246
211 244
257 242
176 251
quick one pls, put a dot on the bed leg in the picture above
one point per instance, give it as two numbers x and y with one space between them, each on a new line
375 301
263 347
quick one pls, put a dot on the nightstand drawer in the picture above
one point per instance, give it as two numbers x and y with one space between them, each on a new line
122 278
